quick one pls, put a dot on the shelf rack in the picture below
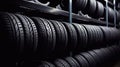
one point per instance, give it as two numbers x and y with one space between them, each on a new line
54 13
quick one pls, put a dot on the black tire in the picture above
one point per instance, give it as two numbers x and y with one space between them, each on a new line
94 35
45 37
85 4
72 62
118 16
49 34
82 61
92 7
96 58
89 58
28 29
86 37
58 63
65 35
101 56
65 6
46 64
110 54
34 33
106 35
77 64
53 35
63 62
43 65
101 40
61 38
98 41
100 10
110 14
11 33
116 50
105 54
80 4
90 32
72 36
112 51
96 28
81 37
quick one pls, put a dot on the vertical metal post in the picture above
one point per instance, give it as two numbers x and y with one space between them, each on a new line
70 11
114 2
107 13
70 17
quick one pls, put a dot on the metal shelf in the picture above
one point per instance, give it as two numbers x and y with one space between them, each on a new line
49 12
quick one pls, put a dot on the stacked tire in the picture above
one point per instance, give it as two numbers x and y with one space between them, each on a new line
38 37
93 8
94 58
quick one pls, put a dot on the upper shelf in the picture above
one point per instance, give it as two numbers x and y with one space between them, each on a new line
38 10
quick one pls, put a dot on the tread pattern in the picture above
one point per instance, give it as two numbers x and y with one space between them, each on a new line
12 32
81 37
45 37
72 36
28 47
61 37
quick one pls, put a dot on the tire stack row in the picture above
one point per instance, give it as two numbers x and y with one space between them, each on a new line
94 58
32 38
38 37
93 8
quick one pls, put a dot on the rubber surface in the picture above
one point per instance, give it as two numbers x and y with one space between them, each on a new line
64 62
58 63
90 59
62 37
82 61
81 37
45 37
53 34
72 62
100 10
11 32
34 33
90 36
92 7
100 54
46 64
111 14
96 57
28 29
72 36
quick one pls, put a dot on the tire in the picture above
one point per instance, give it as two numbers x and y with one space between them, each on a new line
11 32
100 10
28 31
81 37
82 61
72 62
89 58
62 38
34 33
63 62
45 37
72 37
46 64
